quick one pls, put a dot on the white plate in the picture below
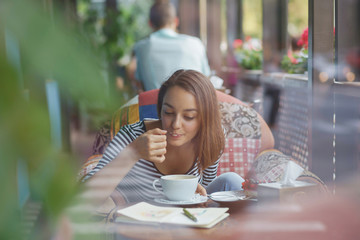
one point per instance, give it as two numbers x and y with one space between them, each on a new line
195 200
228 196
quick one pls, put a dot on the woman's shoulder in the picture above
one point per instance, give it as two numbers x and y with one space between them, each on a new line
142 126
136 125
136 128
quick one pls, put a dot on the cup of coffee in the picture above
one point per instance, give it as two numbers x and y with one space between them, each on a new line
178 187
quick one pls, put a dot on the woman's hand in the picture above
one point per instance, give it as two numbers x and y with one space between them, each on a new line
151 145
201 190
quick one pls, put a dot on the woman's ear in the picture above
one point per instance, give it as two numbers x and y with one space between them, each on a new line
150 24
176 21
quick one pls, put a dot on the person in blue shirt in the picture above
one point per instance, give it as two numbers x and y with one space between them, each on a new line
165 51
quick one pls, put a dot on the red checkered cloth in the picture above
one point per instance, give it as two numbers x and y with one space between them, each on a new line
238 156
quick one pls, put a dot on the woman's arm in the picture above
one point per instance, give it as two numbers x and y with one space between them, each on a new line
100 186
209 174
118 161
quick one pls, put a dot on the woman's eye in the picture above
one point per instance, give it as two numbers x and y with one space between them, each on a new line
189 118
168 113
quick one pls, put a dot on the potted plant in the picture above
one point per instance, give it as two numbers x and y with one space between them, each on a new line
296 62
248 53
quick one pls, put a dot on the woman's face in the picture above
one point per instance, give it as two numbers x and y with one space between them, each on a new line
180 116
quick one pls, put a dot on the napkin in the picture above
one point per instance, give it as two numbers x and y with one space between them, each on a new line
216 81
292 172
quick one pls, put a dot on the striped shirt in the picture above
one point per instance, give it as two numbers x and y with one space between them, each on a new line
137 183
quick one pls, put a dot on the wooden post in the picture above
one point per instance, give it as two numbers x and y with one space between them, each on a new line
203 21
188 12
274 34
214 38
234 20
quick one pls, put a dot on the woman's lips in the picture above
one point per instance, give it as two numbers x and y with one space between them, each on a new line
175 135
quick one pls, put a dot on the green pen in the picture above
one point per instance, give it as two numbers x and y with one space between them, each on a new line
189 215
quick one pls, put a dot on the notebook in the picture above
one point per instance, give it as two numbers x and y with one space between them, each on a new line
145 213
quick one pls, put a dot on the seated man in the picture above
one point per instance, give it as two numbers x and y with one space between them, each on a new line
165 51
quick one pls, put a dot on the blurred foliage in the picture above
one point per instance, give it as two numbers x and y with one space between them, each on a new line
49 50
295 63
248 53
113 30
297 16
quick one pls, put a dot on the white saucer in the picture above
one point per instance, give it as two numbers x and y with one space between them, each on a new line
195 200
228 196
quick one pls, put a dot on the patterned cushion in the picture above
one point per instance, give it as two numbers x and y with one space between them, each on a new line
238 155
242 129
148 103
240 121
125 115
102 140
270 166
139 108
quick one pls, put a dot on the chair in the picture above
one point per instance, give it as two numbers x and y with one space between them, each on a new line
247 135
248 141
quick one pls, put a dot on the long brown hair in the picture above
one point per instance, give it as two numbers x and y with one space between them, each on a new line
210 136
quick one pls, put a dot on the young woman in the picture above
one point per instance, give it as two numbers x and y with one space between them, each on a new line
186 139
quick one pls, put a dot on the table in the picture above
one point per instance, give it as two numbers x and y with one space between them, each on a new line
321 218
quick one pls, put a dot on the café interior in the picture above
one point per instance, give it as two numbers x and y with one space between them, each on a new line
67 82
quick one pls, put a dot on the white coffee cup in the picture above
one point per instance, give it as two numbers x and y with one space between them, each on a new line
177 187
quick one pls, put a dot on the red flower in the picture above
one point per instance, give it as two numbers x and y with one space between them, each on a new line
303 41
237 43
291 57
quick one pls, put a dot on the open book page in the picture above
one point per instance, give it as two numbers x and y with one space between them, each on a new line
150 213
145 212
